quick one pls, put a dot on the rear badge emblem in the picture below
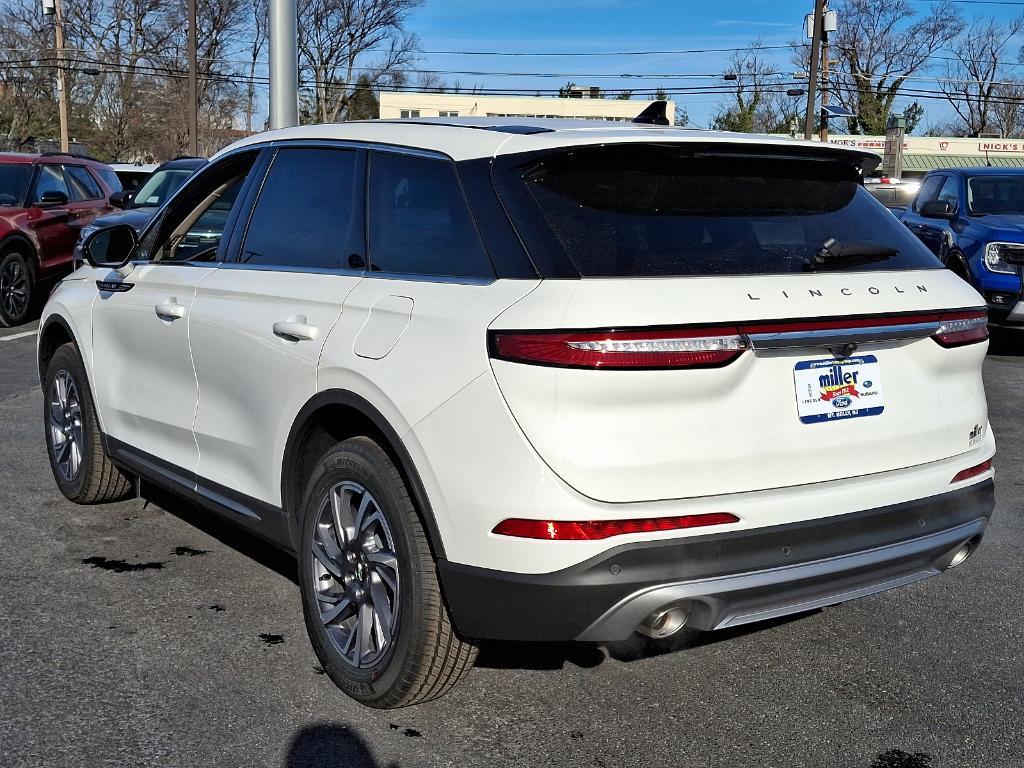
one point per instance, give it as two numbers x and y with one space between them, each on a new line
976 435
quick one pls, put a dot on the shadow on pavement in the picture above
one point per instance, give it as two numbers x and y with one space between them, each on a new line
329 744
226 533
554 656
493 654
1002 341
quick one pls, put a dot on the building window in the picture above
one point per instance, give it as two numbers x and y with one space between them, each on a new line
410 113
448 114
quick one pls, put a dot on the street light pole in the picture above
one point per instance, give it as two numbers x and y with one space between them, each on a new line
62 82
284 65
193 89
812 79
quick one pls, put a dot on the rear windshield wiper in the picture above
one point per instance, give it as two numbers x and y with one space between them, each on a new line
833 251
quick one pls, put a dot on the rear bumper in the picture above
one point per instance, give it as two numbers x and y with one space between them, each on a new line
724 579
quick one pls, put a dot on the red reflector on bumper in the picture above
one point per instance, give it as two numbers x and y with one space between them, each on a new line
589 530
967 474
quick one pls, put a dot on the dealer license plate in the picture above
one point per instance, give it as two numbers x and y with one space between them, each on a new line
827 390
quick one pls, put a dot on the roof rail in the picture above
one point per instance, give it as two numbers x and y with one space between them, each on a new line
68 154
656 113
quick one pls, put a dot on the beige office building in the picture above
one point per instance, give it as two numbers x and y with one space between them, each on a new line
413 105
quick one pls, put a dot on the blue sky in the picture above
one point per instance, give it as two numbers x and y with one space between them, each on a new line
601 26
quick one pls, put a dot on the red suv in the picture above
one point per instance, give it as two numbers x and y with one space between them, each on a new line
44 201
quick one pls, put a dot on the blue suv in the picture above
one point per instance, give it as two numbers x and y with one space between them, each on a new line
973 220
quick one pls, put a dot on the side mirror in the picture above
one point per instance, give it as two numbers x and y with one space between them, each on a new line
110 247
938 209
52 198
120 199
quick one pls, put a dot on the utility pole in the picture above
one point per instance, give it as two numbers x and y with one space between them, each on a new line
823 132
284 65
193 90
62 82
812 74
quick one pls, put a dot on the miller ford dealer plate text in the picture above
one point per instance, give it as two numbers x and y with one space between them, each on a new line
827 390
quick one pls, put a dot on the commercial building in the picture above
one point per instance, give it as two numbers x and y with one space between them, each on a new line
581 104
925 153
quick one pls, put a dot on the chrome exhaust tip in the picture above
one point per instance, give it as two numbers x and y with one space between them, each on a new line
664 623
961 555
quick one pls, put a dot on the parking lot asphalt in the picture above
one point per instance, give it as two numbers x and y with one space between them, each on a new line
134 635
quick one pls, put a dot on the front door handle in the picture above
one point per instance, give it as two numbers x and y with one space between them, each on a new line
169 310
295 329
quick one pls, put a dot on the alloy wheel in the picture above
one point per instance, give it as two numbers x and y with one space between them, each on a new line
355 573
65 425
14 289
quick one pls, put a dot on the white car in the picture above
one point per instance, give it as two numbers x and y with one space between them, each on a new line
532 380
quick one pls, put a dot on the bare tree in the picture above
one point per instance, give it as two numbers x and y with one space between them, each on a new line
880 43
758 101
126 69
976 70
750 73
259 14
28 106
121 39
1007 108
339 40
430 82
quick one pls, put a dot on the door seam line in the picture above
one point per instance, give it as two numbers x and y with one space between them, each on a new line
195 374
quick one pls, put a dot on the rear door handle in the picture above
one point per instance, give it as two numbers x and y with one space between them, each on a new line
169 310
295 329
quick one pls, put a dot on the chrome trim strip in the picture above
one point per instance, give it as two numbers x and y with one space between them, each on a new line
355 144
283 268
828 336
358 273
757 595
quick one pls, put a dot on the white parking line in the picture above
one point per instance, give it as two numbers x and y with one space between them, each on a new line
14 336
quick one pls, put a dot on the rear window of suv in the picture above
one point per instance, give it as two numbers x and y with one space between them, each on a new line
647 210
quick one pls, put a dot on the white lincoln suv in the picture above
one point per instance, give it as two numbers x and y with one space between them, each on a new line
531 380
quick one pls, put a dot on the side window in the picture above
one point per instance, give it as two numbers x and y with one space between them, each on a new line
50 179
110 179
929 190
950 191
83 185
191 229
419 223
303 216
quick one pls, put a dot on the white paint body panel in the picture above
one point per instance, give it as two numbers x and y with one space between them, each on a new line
385 323
479 482
145 385
253 383
623 436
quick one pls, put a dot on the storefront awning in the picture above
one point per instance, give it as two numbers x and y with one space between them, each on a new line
931 162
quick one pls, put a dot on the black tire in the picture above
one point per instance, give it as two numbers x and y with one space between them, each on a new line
17 287
425 658
97 480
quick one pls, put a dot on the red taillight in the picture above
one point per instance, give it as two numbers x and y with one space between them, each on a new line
711 346
679 348
960 328
589 530
967 474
